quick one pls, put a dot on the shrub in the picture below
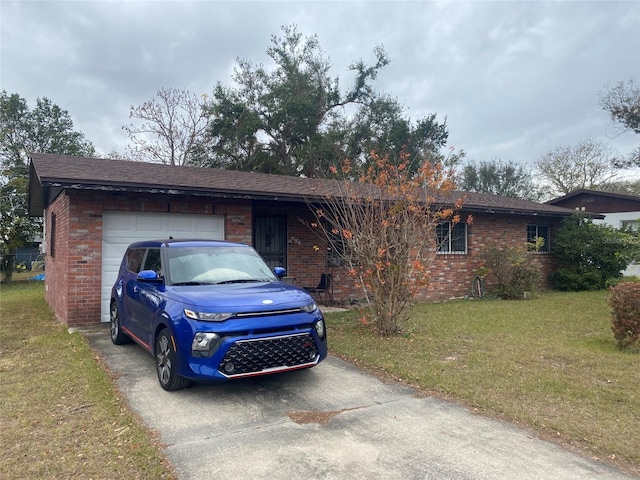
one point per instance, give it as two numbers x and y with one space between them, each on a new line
625 319
512 269
591 257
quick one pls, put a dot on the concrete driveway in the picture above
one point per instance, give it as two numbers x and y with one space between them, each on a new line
329 422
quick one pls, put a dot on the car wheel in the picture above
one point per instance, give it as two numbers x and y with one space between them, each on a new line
117 335
166 364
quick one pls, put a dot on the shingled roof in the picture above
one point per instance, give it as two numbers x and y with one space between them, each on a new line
51 173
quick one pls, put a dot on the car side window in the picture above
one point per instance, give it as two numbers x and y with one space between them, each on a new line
134 259
152 261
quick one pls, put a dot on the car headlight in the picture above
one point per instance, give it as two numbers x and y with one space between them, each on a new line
319 326
207 317
204 344
312 307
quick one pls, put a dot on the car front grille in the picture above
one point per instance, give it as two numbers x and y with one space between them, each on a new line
268 355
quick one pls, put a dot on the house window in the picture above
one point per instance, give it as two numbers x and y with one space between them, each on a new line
52 240
452 238
538 238
336 249
630 225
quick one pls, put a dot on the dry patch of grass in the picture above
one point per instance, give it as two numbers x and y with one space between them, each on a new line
60 416
549 363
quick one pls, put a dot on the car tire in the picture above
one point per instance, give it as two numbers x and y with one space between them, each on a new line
118 337
167 365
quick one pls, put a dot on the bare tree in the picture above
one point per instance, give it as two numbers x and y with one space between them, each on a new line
172 126
622 101
382 228
590 164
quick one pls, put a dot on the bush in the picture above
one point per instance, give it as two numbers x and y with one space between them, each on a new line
590 256
625 319
513 271
575 279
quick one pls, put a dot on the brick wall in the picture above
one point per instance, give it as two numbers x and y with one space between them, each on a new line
450 275
73 276
57 272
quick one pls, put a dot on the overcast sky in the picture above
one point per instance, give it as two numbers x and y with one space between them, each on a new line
515 79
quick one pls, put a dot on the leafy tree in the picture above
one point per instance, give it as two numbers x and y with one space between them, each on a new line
47 129
591 256
292 118
380 126
274 119
378 227
172 127
499 178
589 164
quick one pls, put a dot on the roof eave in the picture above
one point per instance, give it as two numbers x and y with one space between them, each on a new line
522 212
172 190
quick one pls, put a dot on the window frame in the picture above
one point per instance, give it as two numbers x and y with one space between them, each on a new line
533 235
446 239
52 236
631 225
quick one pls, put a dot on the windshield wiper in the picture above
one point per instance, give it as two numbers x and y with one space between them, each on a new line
242 280
184 284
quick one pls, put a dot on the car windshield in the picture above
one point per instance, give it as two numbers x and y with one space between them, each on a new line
216 265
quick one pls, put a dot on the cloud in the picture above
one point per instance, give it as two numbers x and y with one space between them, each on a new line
513 79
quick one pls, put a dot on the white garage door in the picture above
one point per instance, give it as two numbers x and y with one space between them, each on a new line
119 229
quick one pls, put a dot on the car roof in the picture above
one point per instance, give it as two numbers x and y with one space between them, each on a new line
184 242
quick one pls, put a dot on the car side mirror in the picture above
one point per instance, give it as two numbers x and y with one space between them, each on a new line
148 276
280 272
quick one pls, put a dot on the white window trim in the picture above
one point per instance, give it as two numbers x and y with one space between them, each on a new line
547 245
450 251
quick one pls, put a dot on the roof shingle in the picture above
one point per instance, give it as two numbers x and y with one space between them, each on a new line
64 171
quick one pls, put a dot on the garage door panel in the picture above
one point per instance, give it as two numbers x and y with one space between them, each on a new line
116 223
152 225
119 229
203 228
181 225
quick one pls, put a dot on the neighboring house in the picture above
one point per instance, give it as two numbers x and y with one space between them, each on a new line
619 210
94 208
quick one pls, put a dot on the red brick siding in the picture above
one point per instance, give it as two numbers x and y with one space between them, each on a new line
450 275
57 271
73 276
74 273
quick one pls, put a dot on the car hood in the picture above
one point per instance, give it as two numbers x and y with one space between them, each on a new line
240 297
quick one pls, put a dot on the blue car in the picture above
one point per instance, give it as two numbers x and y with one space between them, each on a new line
212 310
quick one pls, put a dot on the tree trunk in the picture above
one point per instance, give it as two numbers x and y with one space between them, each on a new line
8 262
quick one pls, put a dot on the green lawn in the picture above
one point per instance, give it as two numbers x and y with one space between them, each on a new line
60 416
549 363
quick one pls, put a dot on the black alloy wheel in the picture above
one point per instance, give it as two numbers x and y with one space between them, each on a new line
166 364
118 337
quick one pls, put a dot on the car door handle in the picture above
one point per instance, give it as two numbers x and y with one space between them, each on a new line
136 289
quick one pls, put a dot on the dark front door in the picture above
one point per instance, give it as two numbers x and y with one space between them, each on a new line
270 240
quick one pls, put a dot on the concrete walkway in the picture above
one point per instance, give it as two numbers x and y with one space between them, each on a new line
330 422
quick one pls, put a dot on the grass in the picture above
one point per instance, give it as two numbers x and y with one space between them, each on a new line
549 363
60 415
